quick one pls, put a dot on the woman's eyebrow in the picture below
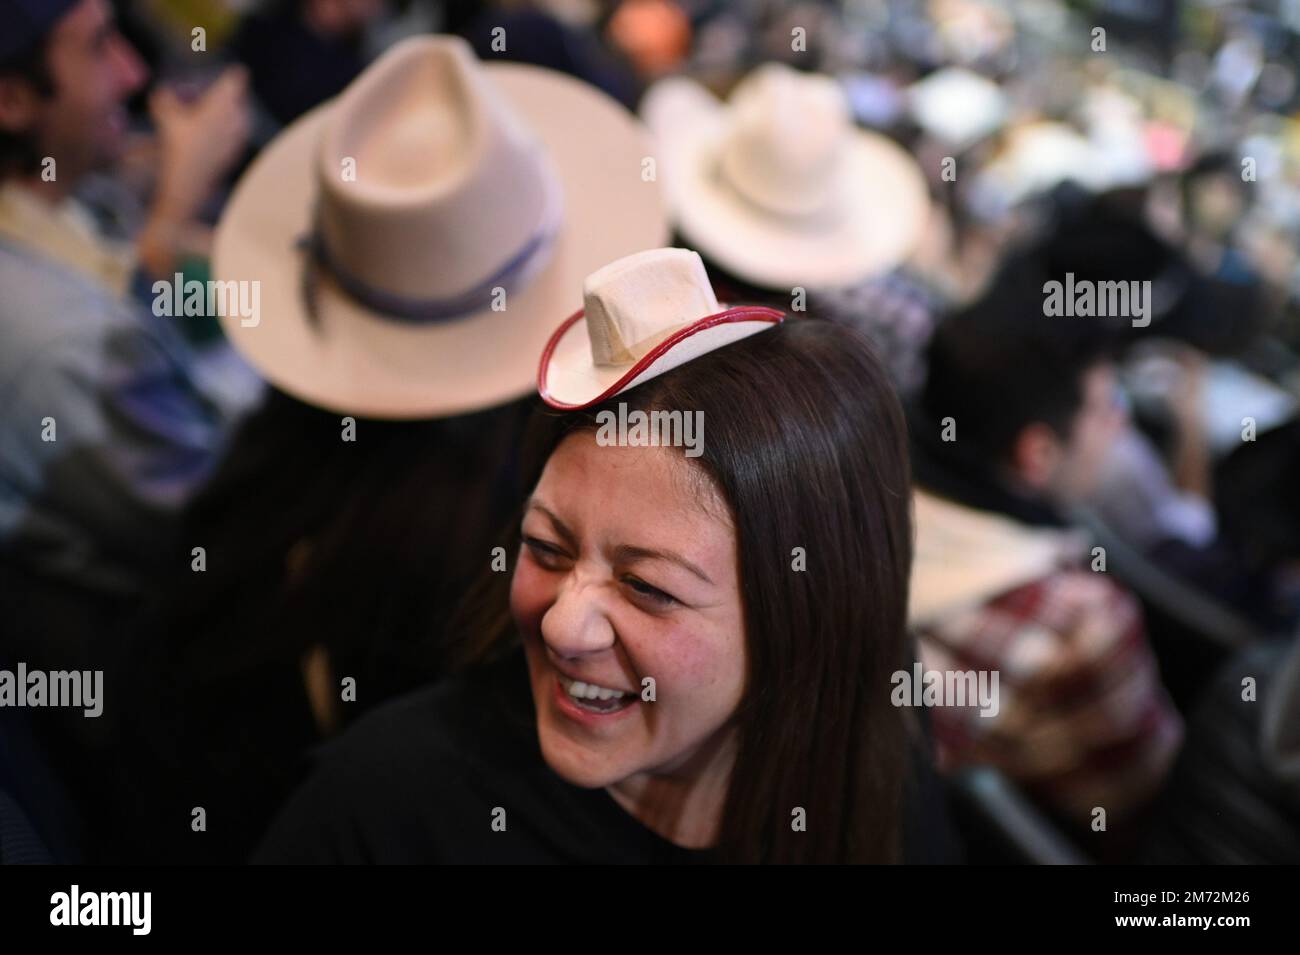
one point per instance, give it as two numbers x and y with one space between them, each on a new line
626 552
560 527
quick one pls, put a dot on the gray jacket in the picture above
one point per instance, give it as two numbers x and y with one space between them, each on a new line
103 434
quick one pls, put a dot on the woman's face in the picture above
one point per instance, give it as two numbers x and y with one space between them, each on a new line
627 574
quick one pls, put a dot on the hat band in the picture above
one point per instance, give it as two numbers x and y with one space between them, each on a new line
520 267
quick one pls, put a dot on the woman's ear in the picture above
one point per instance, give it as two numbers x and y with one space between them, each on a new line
1036 454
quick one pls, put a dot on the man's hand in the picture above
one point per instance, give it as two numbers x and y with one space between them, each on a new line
198 143
1191 464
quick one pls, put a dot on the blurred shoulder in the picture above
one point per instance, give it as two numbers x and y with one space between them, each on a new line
448 722
417 779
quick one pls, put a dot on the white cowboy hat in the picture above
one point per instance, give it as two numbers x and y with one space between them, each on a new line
778 187
415 237
645 314
1040 155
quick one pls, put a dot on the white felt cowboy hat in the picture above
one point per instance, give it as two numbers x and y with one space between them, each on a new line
778 187
415 237
642 316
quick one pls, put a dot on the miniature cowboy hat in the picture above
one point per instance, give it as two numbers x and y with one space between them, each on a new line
777 185
643 315
414 237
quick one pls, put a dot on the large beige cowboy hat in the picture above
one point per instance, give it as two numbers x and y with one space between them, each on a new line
415 237
778 187
642 316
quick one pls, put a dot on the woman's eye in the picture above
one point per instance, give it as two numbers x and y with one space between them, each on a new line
545 554
653 594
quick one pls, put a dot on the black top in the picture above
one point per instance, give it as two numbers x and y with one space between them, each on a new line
213 704
420 779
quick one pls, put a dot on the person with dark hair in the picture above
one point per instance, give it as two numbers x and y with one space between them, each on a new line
792 205
1157 488
683 666
538 37
109 424
300 53
325 562
403 312
1108 237
1012 427
66 73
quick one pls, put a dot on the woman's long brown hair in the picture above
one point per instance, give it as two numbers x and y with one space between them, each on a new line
805 440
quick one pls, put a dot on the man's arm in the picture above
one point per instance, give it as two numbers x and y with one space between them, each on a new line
105 439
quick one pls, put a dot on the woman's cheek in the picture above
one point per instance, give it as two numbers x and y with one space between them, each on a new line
673 652
532 592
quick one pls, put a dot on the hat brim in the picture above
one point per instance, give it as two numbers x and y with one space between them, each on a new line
347 358
568 378
882 212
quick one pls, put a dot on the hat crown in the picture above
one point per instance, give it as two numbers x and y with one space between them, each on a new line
636 302
787 138
428 182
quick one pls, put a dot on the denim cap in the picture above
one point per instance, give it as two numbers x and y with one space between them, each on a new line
23 23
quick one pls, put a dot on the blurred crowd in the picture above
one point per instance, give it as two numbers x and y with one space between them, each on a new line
1105 510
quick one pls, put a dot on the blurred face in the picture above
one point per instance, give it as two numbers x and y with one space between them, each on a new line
628 573
1100 420
342 17
94 71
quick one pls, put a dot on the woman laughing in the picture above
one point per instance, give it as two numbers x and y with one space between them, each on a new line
691 660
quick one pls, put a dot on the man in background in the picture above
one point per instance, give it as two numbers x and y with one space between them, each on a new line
1014 424
106 430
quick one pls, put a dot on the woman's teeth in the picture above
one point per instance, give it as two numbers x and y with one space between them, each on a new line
589 691
591 696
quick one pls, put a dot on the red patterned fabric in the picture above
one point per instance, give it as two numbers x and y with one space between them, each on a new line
1083 720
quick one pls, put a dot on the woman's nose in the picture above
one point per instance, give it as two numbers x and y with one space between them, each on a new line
577 623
